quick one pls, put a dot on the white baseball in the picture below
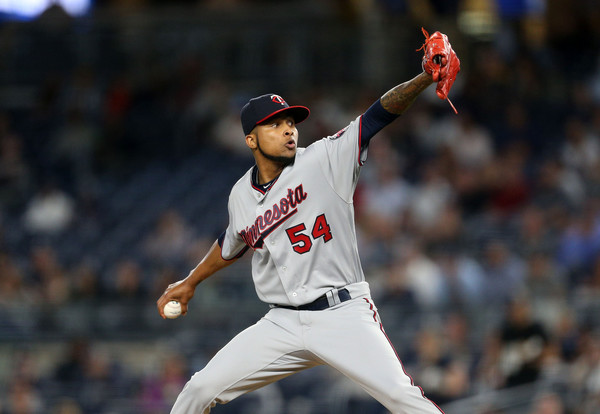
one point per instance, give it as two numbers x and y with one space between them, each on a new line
172 309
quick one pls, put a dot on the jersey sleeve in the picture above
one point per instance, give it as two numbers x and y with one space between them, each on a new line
221 241
231 243
347 149
344 158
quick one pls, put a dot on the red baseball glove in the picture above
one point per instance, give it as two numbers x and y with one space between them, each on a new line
441 62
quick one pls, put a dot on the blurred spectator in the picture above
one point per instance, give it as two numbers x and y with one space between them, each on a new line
487 84
15 173
586 295
81 95
228 132
510 189
522 342
391 287
112 145
546 287
458 338
585 375
557 186
534 234
385 194
159 391
518 127
13 288
23 398
581 148
117 100
579 244
567 334
127 281
70 370
592 185
209 113
75 148
422 276
504 273
66 406
429 201
549 403
24 366
444 377
49 274
429 360
445 230
86 284
170 240
472 189
458 380
103 382
50 211
470 143
328 115
463 279
90 376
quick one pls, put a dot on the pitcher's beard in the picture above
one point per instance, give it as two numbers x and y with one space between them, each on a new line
280 159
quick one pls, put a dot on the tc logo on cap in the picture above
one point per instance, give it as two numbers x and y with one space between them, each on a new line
265 106
278 99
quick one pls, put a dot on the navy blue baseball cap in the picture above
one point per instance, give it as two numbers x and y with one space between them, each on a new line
263 107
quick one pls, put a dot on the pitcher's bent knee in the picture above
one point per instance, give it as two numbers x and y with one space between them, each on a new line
197 397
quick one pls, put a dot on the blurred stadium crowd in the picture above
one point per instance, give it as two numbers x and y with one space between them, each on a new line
479 233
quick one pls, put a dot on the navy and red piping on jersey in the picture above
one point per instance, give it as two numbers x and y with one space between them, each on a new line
261 188
240 254
371 122
360 144
412 382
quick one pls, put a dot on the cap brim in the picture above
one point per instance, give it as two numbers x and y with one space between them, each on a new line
299 113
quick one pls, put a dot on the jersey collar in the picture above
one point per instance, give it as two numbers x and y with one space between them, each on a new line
261 188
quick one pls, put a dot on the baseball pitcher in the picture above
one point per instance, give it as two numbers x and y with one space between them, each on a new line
294 210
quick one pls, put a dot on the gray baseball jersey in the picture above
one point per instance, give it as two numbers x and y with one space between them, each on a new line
302 227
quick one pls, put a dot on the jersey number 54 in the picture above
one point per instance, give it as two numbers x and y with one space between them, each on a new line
301 242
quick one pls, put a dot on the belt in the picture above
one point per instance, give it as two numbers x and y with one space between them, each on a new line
329 299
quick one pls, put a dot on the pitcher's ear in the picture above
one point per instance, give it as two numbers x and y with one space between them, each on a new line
251 140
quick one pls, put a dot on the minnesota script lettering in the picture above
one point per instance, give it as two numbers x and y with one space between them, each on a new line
272 218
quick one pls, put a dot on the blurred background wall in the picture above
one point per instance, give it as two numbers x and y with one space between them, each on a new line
479 233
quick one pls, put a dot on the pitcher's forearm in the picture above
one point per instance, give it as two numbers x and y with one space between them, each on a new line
400 98
209 265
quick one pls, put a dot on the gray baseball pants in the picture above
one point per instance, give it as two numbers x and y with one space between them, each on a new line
348 337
